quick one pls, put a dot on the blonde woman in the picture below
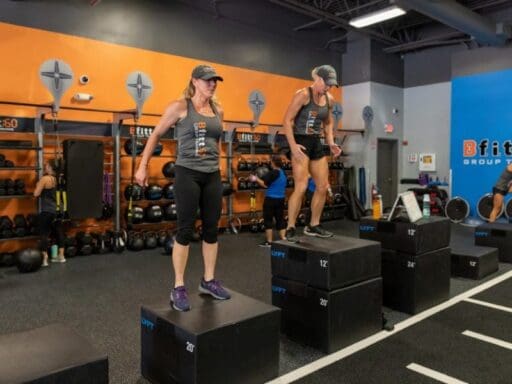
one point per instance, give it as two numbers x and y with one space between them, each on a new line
198 122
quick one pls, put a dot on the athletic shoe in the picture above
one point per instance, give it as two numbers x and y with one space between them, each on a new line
214 288
317 231
265 244
291 235
56 260
45 264
179 299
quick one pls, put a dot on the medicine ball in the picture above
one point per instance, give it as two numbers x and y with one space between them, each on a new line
154 214
169 191
135 190
128 146
153 192
29 260
169 169
170 212
158 149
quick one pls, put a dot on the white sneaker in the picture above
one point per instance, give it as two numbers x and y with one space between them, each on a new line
58 260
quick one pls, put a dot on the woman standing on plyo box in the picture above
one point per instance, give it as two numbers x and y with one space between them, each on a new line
198 122
308 114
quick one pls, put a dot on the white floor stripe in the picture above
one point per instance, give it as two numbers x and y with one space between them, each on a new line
342 353
441 377
488 339
490 305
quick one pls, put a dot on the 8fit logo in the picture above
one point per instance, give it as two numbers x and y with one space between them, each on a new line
200 137
486 152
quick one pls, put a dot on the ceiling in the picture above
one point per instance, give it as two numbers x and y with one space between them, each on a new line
412 31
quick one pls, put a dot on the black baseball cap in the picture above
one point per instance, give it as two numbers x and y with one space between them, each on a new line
328 74
205 72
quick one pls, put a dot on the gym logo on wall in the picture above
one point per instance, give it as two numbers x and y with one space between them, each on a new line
310 122
200 138
485 152
141 131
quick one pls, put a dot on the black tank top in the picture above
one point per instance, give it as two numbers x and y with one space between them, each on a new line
48 203
310 117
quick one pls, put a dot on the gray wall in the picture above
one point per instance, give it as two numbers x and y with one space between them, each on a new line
427 128
363 148
264 41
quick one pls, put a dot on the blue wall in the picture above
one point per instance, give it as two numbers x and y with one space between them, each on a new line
481 133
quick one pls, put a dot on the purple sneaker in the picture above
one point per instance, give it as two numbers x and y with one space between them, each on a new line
179 299
214 288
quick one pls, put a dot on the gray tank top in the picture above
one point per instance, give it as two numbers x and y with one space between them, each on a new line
504 180
48 203
310 117
198 140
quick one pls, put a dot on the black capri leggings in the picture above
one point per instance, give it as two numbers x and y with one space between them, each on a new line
48 226
192 190
273 208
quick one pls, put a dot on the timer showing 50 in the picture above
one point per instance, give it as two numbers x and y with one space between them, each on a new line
8 123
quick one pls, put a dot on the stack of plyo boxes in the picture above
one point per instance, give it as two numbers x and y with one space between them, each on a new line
415 261
329 290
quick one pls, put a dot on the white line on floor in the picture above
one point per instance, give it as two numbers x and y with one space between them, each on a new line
351 349
490 305
441 377
488 339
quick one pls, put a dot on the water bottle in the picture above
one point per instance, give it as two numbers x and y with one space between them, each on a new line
426 205
54 249
377 207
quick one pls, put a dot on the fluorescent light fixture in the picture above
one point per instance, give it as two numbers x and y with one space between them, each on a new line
377 16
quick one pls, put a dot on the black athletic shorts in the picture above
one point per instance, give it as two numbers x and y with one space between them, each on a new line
313 145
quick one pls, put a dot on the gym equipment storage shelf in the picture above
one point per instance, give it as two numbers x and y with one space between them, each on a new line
19 168
15 197
7 147
31 237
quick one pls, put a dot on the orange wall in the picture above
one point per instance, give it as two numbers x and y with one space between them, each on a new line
108 66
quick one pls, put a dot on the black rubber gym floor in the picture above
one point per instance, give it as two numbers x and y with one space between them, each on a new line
100 296
436 343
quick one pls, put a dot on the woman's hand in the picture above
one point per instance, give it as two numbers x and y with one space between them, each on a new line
141 176
335 150
298 152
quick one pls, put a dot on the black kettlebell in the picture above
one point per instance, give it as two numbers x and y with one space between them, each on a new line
135 191
162 235
150 240
158 149
135 241
337 198
261 225
168 191
301 220
253 226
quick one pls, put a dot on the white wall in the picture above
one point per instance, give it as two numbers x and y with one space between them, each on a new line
427 127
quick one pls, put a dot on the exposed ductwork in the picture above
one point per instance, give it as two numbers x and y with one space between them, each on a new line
455 15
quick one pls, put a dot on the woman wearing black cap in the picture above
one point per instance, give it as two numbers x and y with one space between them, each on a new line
307 116
198 122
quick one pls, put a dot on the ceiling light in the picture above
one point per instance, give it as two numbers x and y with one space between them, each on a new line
377 16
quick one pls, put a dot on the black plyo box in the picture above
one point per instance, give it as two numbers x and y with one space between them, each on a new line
326 263
497 235
328 320
217 341
413 283
51 354
474 262
426 234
